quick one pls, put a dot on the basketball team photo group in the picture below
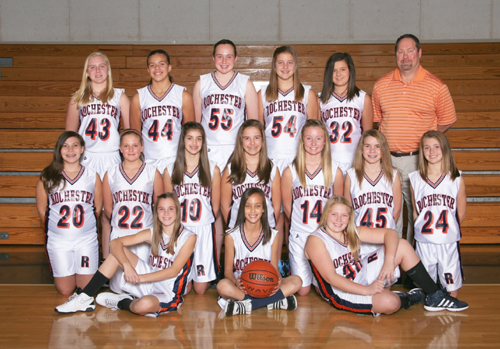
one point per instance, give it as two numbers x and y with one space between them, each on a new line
266 192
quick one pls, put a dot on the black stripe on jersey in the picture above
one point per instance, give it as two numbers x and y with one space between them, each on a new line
338 98
133 179
245 241
285 93
159 99
74 180
191 174
229 82
179 289
374 183
438 182
326 291
312 175
251 174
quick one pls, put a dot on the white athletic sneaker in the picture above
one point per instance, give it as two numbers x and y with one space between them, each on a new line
110 299
79 301
243 307
288 303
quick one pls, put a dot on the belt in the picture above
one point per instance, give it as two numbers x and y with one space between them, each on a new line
398 154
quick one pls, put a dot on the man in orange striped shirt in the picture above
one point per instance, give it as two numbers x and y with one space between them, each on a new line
408 102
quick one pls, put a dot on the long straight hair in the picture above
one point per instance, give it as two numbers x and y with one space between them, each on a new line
133 132
448 163
329 86
84 94
237 159
326 157
159 52
240 220
157 235
352 235
51 176
204 174
385 161
272 88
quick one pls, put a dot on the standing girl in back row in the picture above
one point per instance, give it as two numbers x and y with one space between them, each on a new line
159 110
346 110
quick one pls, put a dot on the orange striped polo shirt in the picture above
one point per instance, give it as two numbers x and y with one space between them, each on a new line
407 111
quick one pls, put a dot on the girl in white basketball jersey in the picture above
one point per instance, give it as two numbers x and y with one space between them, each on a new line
250 167
345 109
129 192
284 106
342 272
253 239
68 199
222 100
372 184
196 182
306 186
440 205
153 287
159 110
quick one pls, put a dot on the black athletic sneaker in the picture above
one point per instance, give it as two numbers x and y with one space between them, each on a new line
441 300
288 303
415 296
243 307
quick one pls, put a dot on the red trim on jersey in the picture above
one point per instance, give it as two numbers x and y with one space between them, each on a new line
315 173
164 245
133 179
343 244
438 182
159 99
192 173
229 82
285 93
247 244
374 182
251 174
74 180
338 98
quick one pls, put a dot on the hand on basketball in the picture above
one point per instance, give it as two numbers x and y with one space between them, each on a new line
278 286
387 272
240 285
131 275
376 287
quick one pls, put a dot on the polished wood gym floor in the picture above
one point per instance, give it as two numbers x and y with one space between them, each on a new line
28 320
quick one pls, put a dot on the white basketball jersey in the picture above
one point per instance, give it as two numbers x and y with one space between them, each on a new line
373 202
436 205
252 181
343 261
308 202
195 199
161 119
132 197
284 120
71 211
244 253
100 124
165 260
223 108
342 119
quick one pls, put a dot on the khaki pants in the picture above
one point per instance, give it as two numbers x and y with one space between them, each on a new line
406 165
